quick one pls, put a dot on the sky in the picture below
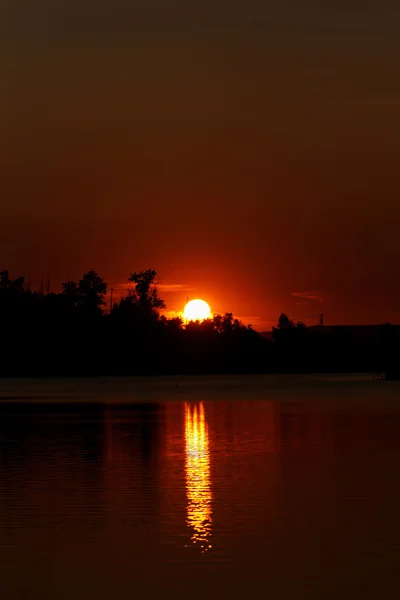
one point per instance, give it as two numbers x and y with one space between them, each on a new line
247 150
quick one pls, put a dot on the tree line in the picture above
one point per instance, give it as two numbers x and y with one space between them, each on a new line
71 333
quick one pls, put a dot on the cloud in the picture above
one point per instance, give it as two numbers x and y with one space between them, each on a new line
174 287
247 319
122 288
311 296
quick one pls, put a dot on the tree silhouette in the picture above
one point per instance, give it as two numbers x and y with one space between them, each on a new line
91 292
284 322
4 280
286 327
6 283
144 292
70 293
140 307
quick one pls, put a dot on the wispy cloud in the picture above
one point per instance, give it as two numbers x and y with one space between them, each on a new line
174 287
248 319
163 287
313 296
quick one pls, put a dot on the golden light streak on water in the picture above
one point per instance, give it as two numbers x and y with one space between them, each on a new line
198 480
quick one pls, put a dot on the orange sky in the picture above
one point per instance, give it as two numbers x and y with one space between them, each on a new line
246 151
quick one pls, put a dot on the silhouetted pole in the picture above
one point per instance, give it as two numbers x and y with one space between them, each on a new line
321 320
111 299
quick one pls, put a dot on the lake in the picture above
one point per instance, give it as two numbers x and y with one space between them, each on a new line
219 487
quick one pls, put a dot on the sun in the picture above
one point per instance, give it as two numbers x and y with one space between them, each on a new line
196 310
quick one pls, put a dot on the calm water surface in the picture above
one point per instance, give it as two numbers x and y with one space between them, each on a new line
219 488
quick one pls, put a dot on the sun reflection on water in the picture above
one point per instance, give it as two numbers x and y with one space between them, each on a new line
198 480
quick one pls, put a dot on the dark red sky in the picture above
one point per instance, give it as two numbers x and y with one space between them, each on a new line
247 150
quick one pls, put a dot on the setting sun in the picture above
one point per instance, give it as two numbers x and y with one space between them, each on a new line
196 310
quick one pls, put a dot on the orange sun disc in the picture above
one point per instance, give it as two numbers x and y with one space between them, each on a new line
196 310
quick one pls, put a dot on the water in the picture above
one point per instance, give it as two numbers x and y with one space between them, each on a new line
206 487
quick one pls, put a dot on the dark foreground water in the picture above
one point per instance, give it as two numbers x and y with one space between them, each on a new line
218 488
